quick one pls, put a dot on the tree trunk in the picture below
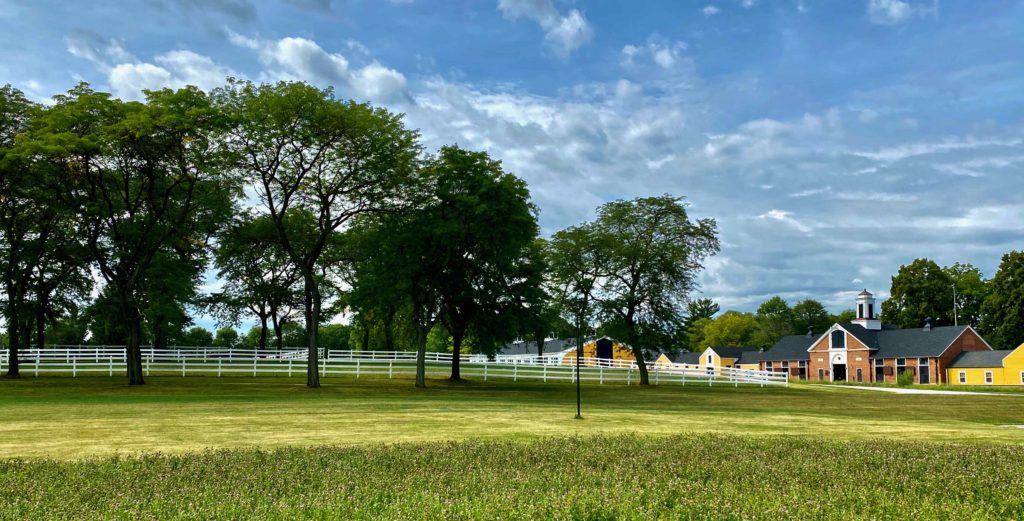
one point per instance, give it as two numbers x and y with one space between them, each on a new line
133 349
366 335
638 352
312 330
13 343
159 332
539 339
457 337
263 333
389 335
421 356
40 320
275 320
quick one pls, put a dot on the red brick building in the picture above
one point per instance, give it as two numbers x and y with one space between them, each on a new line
865 350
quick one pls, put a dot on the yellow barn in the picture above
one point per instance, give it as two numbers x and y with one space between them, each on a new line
988 368
603 351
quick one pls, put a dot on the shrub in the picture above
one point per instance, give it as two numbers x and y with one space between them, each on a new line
905 378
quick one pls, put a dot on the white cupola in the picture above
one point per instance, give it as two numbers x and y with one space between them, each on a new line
866 312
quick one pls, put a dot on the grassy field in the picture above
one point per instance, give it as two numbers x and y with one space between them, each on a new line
83 417
620 477
270 448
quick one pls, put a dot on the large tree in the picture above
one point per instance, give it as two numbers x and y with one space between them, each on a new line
1003 310
573 258
810 315
143 178
486 228
23 228
971 291
259 277
920 291
650 255
306 153
776 320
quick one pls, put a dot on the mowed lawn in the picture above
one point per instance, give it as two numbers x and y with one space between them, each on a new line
70 418
243 448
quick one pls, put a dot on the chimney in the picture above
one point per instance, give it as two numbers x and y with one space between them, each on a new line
810 332
928 324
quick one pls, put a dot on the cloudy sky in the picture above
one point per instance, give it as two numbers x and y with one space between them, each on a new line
833 140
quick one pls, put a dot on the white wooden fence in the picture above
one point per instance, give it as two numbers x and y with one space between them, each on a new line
109 360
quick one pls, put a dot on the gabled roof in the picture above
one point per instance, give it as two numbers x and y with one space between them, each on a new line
732 352
750 357
530 348
866 336
980 359
793 347
684 357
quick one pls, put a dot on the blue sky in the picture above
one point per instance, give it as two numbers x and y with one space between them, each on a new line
833 140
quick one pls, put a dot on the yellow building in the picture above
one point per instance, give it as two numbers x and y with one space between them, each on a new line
717 358
988 368
603 351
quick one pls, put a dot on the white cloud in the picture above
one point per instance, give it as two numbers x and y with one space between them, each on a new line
293 58
564 34
786 218
901 152
710 10
893 12
666 54
91 46
128 80
174 69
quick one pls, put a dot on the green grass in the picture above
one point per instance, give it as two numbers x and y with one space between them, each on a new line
68 418
619 477
269 448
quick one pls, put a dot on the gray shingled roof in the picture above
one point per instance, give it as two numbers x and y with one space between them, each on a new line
685 357
751 357
887 343
980 359
530 348
793 347
731 351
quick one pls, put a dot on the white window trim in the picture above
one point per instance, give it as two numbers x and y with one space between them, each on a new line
988 378
1022 377
962 377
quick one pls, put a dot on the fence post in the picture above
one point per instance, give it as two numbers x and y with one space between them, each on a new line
357 368
629 375
545 372
600 375
254 359
485 372
657 377
74 372
148 360
218 367
390 367
515 373
110 361
182 364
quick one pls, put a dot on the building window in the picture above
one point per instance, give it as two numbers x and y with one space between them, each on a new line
1022 377
860 376
785 365
803 364
768 365
711 359
871 311
821 375
924 375
879 370
963 377
988 377
838 339
860 310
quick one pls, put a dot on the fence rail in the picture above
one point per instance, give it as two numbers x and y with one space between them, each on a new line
109 360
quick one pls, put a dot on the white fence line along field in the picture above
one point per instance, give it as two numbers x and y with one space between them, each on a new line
200 361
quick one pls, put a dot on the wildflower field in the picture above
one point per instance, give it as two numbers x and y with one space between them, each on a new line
243 448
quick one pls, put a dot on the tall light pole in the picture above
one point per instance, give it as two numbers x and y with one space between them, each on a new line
579 354
955 318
